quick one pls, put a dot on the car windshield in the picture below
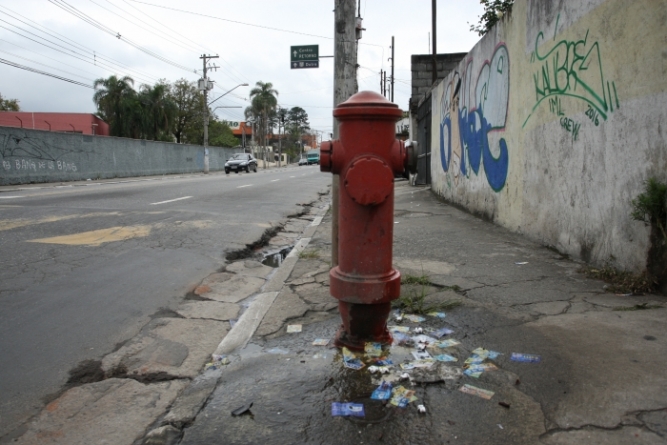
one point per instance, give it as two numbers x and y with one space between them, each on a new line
239 156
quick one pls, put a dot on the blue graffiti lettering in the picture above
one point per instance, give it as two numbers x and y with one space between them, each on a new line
464 131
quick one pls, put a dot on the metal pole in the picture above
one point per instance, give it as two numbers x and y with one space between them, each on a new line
392 68
435 51
345 85
203 57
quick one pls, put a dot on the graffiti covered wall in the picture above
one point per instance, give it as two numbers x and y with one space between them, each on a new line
43 156
552 122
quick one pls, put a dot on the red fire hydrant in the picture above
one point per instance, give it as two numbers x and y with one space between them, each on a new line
367 157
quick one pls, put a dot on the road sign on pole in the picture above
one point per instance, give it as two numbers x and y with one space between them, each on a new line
304 57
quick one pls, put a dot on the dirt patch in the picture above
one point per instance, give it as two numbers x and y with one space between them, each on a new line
88 371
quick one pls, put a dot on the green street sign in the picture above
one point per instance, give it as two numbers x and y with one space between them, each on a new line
304 57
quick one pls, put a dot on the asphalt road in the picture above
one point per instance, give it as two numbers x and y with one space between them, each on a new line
82 268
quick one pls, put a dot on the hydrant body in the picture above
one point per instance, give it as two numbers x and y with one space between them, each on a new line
366 157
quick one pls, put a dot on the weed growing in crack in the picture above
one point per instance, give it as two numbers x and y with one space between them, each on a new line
412 279
416 303
621 281
309 255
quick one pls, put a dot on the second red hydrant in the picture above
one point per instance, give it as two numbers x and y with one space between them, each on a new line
367 157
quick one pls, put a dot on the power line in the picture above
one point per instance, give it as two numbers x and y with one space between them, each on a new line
233 21
91 21
229 74
73 43
46 57
168 28
168 39
44 64
44 73
55 49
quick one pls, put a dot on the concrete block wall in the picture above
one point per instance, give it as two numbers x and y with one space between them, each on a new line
422 73
33 156
559 118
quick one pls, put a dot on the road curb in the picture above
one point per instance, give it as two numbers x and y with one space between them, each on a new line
243 330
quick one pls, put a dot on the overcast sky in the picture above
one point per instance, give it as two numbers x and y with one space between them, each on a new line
251 37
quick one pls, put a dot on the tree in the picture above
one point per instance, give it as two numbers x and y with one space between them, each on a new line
114 97
493 11
189 119
220 135
298 118
263 102
159 111
9 104
296 125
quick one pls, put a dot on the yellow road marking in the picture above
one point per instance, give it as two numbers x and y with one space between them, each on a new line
97 237
8 224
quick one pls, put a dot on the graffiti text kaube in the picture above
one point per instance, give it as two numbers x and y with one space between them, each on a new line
572 69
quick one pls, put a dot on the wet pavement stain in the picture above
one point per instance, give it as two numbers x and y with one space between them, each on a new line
293 384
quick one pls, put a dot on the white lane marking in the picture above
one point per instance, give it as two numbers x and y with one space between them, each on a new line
171 200
241 186
10 197
274 180
292 176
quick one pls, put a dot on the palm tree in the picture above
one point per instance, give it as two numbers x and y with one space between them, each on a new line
263 104
112 97
159 110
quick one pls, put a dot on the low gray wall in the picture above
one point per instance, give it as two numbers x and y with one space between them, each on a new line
29 156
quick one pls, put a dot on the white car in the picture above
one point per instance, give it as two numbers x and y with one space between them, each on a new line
303 161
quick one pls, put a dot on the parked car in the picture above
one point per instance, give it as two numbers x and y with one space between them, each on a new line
241 161
303 161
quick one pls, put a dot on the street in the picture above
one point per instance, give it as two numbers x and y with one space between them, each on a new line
85 266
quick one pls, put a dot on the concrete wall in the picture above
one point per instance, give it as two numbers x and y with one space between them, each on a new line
560 116
43 156
421 66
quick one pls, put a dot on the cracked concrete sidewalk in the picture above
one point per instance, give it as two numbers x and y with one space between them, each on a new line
601 379
153 385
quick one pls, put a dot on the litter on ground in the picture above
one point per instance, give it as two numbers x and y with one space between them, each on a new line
525 358
442 332
242 410
373 349
402 396
445 358
421 355
351 361
414 318
475 391
398 329
382 392
437 314
293 328
447 343
321 342
347 409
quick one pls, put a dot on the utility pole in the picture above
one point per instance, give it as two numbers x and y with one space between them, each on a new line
434 77
345 85
381 83
392 68
205 86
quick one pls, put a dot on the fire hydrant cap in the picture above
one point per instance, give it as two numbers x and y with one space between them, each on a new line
368 103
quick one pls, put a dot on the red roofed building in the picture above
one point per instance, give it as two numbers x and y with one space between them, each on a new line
69 122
